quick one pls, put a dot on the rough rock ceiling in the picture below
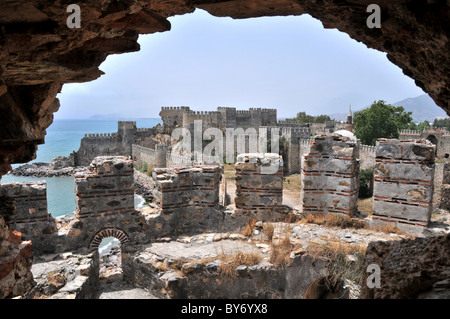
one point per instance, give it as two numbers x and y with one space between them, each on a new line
39 53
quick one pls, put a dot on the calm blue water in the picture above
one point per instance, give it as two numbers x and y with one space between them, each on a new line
63 137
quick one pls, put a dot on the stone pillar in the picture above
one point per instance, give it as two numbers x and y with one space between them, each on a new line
107 189
126 131
403 184
259 183
188 199
180 188
105 203
160 156
330 172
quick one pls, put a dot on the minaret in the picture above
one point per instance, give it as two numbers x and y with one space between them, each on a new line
349 125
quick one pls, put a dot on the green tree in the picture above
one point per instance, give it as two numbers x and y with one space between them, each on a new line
366 183
380 120
443 123
423 125
412 126
302 117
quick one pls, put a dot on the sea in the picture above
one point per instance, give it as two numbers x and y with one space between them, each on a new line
63 137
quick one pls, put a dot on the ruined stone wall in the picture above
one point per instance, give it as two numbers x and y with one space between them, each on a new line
366 156
105 203
259 184
410 268
107 144
179 188
31 217
445 188
144 136
16 257
329 178
289 144
409 134
443 146
403 184
438 136
107 189
155 157
187 198
97 144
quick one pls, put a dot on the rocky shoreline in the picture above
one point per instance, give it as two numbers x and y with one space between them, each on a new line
41 169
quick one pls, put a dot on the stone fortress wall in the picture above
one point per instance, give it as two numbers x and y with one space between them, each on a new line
140 144
188 198
440 137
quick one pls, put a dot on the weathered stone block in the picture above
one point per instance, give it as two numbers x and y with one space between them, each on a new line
259 182
330 176
403 184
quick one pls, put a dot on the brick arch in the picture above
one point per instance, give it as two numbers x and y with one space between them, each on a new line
117 233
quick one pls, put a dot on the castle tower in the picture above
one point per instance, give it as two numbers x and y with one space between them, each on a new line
349 124
126 131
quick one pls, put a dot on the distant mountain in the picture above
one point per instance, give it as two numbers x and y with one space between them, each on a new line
422 108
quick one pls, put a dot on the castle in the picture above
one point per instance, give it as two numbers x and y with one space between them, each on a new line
190 205
146 144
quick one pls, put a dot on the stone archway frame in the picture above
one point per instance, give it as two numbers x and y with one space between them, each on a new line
432 138
106 232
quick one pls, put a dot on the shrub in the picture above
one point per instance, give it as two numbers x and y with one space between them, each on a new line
268 230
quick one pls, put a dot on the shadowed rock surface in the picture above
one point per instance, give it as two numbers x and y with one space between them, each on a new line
39 53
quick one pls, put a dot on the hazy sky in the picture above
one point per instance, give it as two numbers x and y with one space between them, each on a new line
289 63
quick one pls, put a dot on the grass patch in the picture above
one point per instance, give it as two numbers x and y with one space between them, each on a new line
292 182
229 263
229 172
336 220
338 263
365 205
280 255
268 230
389 229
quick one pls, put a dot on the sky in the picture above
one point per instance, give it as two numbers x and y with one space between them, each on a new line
289 63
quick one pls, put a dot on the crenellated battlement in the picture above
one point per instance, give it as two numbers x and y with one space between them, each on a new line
100 135
144 129
175 108
367 148
410 132
305 142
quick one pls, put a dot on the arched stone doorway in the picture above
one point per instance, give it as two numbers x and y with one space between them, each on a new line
433 139
108 232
